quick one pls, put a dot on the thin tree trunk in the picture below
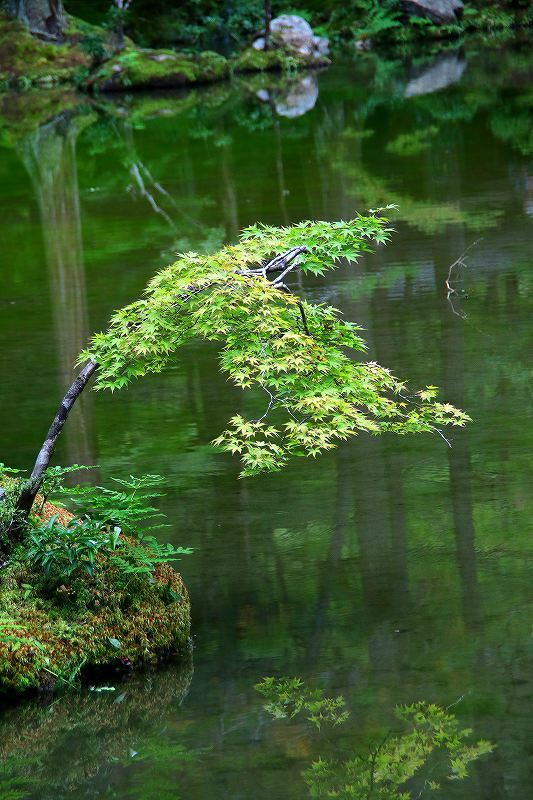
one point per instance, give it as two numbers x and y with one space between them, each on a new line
268 19
32 486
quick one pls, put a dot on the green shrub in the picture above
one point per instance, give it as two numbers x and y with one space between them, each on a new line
105 534
64 552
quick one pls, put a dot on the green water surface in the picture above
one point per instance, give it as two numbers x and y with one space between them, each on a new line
391 570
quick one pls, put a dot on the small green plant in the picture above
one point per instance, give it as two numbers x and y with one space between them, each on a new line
104 534
287 697
488 19
10 483
53 480
142 559
92 43
67 551
127 508
381 16
8 471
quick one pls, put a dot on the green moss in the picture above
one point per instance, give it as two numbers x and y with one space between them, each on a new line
49 639
145 69
86 59
26 61
90 39
251 60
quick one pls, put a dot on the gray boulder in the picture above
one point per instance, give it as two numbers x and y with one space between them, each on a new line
296 36
442 12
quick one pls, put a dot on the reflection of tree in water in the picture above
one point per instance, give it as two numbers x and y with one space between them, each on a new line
49 155
129 740
426 748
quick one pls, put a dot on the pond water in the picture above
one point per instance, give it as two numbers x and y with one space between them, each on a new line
389 571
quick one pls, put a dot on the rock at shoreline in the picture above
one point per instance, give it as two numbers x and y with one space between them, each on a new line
443 12
27 60
88 59
294 37
47 637
134 68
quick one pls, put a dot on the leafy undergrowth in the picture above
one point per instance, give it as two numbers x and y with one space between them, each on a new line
75 597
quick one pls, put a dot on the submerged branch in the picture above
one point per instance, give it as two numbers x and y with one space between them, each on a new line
135 172
450 289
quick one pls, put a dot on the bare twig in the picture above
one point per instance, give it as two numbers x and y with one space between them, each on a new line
271 402
438 430
450 289
456 702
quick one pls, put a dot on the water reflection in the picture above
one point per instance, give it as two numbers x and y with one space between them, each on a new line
445 70
430 751
293 99
391 570
49 155
135 739
82 743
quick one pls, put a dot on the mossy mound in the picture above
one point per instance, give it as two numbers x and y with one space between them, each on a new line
252 60
158 69
27 61
49 637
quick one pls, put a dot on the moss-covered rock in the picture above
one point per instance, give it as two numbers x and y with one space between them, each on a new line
49 637
252 60
86 58
27 61
158 69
